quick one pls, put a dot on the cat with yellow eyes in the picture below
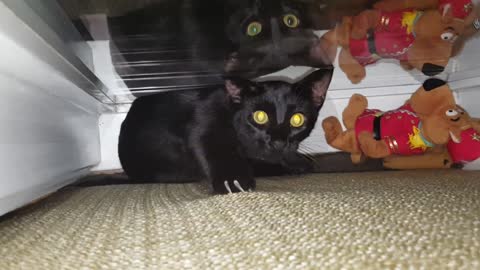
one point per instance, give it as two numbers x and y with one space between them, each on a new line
185 43
228 134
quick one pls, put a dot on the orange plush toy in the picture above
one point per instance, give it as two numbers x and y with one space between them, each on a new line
466 11
460 153
418 39
429 118
465 153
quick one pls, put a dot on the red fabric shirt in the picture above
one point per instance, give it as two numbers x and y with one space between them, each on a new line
391 40
396 127
468 149
460 8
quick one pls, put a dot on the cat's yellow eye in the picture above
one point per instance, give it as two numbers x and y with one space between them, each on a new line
297 120
254 28
291 20
260 117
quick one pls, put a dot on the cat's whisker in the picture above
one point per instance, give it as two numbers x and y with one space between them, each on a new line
310 154
307 148
309 157
303 152
314 142
314 149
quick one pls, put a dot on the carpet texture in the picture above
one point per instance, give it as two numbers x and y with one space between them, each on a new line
383 220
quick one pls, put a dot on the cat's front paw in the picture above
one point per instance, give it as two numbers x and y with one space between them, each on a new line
234 185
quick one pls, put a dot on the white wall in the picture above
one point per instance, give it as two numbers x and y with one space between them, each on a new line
466 79
48 125
109 130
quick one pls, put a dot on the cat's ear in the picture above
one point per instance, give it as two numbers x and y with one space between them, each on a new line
316 84
236 88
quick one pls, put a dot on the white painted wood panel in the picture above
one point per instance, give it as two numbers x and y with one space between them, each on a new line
49 133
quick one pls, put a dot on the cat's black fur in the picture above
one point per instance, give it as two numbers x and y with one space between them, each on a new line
186 135
215 33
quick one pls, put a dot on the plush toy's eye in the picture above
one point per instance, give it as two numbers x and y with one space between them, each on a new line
451 113
297 120
291 20
254 28
260 117
448 36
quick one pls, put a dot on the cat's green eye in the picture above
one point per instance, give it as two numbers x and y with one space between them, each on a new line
260 117
291 20
254 28
297 120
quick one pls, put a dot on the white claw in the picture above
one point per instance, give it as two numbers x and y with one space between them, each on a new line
250 190
237 184
227 187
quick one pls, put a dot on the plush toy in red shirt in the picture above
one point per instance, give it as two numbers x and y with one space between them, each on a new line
464 153
428 119
418 39
467 11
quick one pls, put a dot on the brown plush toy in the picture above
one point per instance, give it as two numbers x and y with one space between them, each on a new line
429 118
467 11
454 154
418 39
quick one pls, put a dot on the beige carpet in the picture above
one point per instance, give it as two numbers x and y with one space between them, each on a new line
356 221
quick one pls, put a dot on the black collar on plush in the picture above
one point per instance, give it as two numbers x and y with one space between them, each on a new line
371 41
377 129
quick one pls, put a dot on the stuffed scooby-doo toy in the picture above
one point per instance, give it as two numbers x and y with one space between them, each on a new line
429 118
418 39
463 154
467 11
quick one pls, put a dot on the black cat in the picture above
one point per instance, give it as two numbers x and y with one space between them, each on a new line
228 134
185 43
255 37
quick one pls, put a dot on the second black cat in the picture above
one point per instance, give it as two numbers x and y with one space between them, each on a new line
183 44
228 134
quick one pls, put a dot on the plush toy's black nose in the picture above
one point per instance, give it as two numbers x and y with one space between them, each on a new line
431 69
433 83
